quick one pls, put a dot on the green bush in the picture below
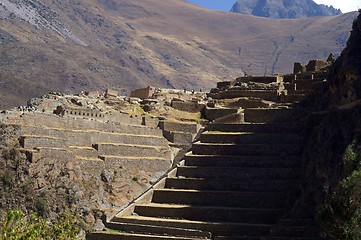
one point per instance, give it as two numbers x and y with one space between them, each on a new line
16 226
351 159
340 216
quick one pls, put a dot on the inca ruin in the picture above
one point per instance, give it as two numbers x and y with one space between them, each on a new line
182 143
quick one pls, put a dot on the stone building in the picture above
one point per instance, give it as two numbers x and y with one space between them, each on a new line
110 93
143 93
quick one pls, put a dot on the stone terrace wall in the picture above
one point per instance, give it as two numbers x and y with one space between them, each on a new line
92 181
85 113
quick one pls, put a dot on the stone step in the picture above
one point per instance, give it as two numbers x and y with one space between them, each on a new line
263 238
215 184
132 150
276 127
88 137
269 95
220 198
249 137
214 214
246 149
294 97
261 115
179 126
242 161
295 231
157 230
248 102
31 142
133 236
111 158
216 228
214 113
238 172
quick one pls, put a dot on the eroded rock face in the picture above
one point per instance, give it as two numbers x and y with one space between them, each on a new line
53 184
17 189
92 158
331 132
344 78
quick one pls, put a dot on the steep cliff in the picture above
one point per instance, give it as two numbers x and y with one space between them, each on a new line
331 162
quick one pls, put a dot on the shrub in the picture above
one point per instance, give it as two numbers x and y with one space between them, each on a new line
7 180
41 206
340 216
16 226
351 159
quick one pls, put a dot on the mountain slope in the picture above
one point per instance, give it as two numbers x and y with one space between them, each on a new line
283 8
129 44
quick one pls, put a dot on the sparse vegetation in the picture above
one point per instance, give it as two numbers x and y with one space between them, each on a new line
135 179
117 54
7 176
41 205
340 216
12 15
15 225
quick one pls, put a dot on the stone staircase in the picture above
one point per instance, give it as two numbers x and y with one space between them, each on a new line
238 181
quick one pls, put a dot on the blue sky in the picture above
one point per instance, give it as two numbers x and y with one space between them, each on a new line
226 5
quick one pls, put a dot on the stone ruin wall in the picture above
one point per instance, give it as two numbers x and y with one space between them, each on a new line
107 184
84 113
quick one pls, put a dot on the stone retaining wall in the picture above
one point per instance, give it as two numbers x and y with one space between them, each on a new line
85 113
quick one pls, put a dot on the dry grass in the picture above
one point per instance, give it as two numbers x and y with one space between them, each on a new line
171 44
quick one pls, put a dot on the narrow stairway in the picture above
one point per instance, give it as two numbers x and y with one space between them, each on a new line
237 182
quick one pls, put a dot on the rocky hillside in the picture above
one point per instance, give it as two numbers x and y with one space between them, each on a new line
39 175
283 8
70 46
331 162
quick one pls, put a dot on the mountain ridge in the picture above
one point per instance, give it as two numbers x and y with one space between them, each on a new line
132 44
283 8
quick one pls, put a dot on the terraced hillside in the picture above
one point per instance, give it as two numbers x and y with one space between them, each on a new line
92 159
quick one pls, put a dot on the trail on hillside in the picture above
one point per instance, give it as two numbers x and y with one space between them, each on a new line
280 47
